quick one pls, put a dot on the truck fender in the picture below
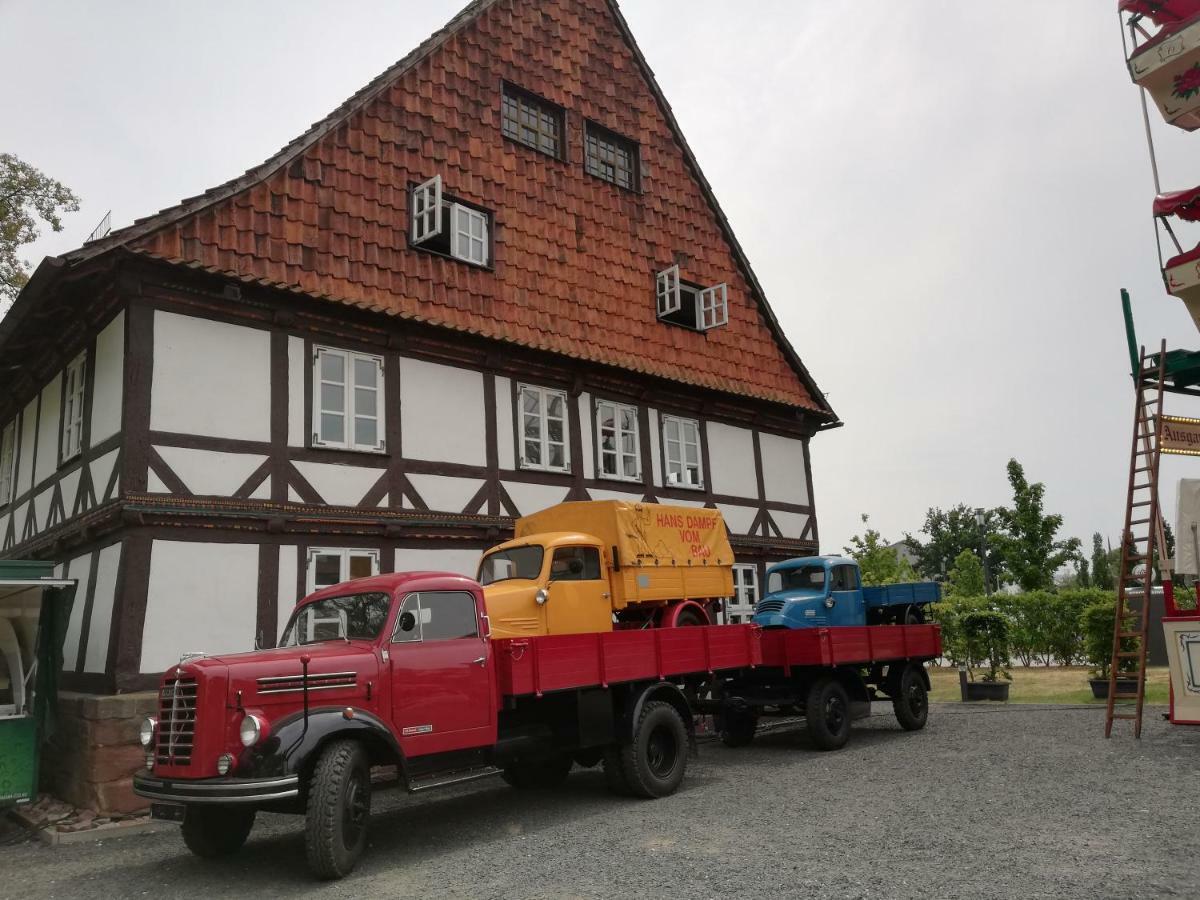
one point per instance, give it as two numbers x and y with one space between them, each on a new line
291 748
670 615
667 693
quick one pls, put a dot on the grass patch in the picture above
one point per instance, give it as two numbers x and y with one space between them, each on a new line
1047 684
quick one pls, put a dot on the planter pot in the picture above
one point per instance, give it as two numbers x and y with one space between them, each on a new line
985 690
1100 687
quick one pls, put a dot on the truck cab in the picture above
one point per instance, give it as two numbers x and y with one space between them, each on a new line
820 591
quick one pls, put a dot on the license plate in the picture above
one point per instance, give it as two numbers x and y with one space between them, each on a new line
170 812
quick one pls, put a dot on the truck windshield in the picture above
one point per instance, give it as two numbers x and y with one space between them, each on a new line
515 562
802 578
354 617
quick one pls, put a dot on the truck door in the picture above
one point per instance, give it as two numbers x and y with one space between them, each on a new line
578 597
442 695
848 604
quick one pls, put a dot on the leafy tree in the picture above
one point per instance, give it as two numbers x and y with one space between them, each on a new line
950 532
880 564
26 195
1027 540
948 613
1102 565
966 577
985 633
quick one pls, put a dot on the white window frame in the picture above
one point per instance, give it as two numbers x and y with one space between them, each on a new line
349 411
679 460
712 307
74 377
618 434
668 293
745 593
344 554
466 241
8 458
543 439
427 210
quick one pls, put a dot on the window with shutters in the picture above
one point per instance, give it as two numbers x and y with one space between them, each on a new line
610 156
617 445
532 121
444 225
542 428
72 408
690 305
347 390
333 565
8 444
681 452
740 607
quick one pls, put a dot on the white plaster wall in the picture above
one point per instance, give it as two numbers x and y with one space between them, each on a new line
69 485
340 485
47 446
731 457
210 378
297 374
529 498
441 411
24 479
587 423
96 657
505 434
41 508
108 380
784 476
286 597
443 493
208 472
655 447
202 597
791 524
101 471
79 568
738 519
460 562
617 495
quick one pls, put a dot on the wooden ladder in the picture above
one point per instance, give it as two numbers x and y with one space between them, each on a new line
1141 539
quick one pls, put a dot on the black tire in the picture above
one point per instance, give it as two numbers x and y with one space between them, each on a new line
911 701
690 617
827 714
215 831
655 760
614 773
532 775
738 727
913 615
339 808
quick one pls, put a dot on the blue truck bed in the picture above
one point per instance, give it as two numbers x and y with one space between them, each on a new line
900 594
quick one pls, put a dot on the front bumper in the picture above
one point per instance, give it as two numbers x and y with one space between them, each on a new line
216 790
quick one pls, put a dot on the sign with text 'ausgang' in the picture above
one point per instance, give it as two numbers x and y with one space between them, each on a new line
1179 435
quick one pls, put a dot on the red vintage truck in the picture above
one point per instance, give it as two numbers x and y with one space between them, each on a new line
400 670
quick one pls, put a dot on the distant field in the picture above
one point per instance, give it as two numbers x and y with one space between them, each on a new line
1049 684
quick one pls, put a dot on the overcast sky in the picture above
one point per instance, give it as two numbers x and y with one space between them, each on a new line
942 200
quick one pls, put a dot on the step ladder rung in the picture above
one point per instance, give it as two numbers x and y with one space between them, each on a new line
1131 634
1139 522
1143 469
1128 654
1117 715
1142 487
1124 697
1141 503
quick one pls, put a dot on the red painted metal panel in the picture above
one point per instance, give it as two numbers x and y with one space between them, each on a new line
849 645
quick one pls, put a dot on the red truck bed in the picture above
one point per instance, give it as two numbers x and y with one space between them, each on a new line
538 665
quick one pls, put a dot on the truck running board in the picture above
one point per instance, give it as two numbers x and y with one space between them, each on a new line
449 778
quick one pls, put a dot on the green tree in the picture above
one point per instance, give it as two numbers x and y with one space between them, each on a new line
950 532
966 576
1102 565
880 564
26 195
1027 539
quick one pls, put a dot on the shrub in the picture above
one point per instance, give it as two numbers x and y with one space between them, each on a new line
1064 635
1029 616
985 635
948 613
1096 626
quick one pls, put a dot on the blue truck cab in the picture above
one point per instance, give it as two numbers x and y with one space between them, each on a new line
819 591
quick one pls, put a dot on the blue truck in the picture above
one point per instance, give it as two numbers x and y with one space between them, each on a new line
821 591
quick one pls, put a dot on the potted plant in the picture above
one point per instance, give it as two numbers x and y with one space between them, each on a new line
1096 623
985 635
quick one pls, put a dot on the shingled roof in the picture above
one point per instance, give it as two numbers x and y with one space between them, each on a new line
575 257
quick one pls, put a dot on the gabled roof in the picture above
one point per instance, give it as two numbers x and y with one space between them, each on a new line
323 216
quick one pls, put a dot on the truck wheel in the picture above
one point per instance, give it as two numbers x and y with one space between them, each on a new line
913 615
614 773
690 617
339 805
538 774
655 760
738 727
827 714
911 701
214 831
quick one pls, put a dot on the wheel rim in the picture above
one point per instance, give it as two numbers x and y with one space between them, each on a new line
661 751
916 700
355 809
835 714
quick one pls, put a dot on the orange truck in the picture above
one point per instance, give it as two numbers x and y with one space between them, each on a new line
596 565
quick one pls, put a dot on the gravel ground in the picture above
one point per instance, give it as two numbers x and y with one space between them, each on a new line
1016 801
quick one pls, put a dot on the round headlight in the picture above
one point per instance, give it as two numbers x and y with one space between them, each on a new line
146 732
250 731
541 596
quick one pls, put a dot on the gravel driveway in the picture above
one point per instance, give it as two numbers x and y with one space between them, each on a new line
1017 801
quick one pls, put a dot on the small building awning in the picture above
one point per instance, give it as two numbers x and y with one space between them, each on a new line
1161 12
1181 204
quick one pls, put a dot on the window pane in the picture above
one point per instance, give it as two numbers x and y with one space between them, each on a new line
333 428
672 426
557 456
533 453
366 432
333 367
608 463
366 372
361 565
448 616
554 429
533 427
327 569
554 405
364 401
333 398
690 453
530 401
575 564
631 466
627 443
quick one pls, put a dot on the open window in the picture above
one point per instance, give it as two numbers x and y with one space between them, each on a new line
447 226
690 305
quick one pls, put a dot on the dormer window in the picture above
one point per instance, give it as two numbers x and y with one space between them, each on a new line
448 226
610 156
690 305
532 121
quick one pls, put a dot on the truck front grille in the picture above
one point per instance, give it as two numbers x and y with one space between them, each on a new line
176 722
768 606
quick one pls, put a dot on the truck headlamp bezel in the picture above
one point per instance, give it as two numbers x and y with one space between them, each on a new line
146 732
250 731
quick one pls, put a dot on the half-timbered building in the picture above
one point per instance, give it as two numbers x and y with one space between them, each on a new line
492 280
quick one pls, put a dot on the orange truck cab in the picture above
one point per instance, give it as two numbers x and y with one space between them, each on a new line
591 566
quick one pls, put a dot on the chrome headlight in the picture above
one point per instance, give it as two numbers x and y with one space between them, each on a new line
250 730
829 603
146 732
541 596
